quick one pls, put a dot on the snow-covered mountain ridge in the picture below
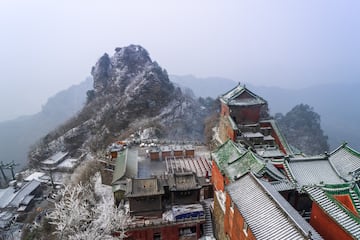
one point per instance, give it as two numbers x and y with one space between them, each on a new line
131 93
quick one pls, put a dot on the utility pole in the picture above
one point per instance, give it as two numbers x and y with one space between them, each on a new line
11 167
2 172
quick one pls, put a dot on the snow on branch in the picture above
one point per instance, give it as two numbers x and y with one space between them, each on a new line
78 216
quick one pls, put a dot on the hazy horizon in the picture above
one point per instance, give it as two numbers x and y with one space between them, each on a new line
48 46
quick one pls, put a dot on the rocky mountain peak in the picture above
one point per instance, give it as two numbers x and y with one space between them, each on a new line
128 66
131 93
132 55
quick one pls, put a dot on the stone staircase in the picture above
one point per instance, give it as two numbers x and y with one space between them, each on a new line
208 226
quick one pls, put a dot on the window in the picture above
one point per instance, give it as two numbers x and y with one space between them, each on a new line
157 236
187 231
245 228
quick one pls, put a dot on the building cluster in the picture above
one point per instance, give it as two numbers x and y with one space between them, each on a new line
61 162
252 186
29 193
18 199
167 190
263 190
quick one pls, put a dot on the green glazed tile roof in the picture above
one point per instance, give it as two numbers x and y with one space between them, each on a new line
324 197
120 166
246 162
228 152
351 190
235 161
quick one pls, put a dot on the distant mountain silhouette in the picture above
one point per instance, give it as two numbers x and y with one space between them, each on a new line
336 103
204 87
16 136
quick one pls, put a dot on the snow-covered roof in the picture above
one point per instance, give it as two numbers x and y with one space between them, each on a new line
183 181
284 144
235 161
283 185
34 176
120 166
267 213
253 135
189 147
177 148
269 152
6 218
269 138
6 195
144 187
200 165
26 201
345 218
241 96
345 160
68 163
56 158
311 171
165 149
24 192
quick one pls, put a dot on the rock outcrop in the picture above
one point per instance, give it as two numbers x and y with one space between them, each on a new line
131 93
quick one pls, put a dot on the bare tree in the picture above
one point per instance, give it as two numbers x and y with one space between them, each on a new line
78 216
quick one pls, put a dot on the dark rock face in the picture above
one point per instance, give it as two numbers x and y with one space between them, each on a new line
101 72
131 93
131 73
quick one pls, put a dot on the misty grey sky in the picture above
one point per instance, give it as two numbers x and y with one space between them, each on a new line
47 46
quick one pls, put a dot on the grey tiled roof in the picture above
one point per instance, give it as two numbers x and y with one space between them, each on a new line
232 97
144 187
25 191
282 185
311 171
334 211
345 160
183 181
267 214
269 152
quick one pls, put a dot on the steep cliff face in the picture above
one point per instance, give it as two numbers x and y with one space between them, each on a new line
131 93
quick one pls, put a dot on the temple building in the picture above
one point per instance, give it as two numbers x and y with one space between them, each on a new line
265 190
244 119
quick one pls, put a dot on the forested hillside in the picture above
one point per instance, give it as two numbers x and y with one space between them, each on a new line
301 127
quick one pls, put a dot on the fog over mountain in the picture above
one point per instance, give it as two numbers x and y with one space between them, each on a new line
335 103
16 136
48 45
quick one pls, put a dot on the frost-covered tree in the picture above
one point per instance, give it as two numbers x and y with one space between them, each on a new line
301 127
78 216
